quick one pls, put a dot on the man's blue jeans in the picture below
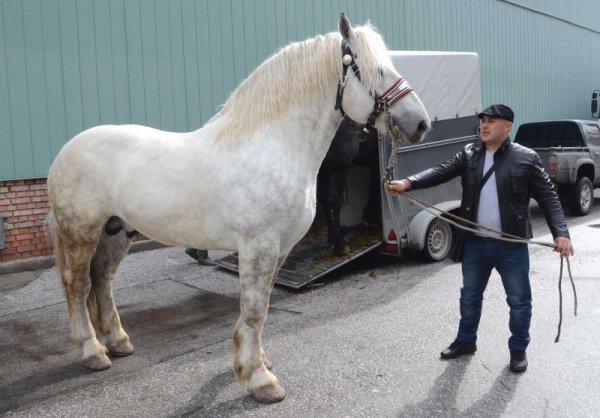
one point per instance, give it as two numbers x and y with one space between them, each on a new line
511 261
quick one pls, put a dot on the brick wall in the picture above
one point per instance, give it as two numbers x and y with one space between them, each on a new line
23 207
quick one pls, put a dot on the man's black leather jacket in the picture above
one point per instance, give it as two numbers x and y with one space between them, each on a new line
519 176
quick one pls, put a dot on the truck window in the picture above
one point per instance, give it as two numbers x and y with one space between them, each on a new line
571 135
554 135
593 134
543 136
550 134
526 136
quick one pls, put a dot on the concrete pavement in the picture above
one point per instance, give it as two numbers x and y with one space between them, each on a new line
362 342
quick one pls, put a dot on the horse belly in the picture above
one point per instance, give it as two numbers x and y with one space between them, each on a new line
224 226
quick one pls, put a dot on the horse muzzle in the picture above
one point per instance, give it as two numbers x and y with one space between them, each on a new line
412 134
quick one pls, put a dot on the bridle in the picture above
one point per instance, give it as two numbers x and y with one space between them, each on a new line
391 95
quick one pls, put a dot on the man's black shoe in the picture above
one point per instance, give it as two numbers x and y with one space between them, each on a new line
457 349
518 361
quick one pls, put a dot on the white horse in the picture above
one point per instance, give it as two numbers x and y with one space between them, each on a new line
245 181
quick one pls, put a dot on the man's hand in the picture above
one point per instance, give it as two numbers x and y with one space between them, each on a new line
563 246
395 187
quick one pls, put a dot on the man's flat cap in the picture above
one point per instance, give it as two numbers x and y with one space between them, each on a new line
498 111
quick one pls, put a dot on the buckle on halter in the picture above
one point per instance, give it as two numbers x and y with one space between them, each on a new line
343 81
366 130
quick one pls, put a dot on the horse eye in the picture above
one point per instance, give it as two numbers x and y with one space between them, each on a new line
381 72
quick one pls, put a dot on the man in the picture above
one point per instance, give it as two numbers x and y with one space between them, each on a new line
498 200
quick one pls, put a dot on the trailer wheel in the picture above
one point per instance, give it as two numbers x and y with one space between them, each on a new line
438 240
581 197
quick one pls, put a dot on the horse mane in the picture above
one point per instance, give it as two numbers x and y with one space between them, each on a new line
291 76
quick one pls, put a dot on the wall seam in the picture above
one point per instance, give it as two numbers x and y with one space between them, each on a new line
550 15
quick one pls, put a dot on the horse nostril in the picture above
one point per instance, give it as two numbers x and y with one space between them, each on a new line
422 127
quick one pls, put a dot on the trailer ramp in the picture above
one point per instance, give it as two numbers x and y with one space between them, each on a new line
312 258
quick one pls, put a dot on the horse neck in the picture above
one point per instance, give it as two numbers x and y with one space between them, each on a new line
291 97
315 129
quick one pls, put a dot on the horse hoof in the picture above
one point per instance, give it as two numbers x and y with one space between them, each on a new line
268 393
97 362
124 348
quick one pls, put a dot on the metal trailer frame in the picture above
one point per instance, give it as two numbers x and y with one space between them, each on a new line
407 225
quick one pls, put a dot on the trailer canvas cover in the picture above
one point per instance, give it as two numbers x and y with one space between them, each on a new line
448 83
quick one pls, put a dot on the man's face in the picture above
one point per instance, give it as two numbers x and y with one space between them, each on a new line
493 130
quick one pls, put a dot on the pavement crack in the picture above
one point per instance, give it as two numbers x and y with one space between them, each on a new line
287 310
193 350
34 309
201 289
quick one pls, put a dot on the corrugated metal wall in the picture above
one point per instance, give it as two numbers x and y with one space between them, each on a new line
66 65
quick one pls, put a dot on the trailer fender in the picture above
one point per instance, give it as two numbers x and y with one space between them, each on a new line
418 225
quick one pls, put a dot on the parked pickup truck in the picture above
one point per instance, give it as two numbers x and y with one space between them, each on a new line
570 152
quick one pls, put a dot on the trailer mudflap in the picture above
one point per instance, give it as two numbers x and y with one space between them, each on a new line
312 257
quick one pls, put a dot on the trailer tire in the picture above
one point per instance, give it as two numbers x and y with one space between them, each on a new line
438 240
581 197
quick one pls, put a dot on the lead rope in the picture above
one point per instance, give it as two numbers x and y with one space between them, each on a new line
397 138
560 295
503 236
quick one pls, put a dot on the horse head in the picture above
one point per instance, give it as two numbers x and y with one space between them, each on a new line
371 92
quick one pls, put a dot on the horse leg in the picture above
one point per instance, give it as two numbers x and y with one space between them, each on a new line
103 312
330 188
73 257
335 230
372 212
268 363
257 271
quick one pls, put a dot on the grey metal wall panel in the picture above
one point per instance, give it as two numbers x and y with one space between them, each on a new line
66 65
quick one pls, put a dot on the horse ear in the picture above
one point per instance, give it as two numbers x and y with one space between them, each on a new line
346 28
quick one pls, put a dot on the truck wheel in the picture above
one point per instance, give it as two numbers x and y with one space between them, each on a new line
581 197
438 240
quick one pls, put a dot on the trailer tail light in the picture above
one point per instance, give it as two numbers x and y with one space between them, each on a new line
391 243
552 165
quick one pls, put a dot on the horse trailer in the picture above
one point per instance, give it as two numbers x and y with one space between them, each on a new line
448 84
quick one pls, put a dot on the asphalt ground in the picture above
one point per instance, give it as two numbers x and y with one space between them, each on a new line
362 342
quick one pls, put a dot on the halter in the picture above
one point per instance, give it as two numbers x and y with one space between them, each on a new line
391 95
